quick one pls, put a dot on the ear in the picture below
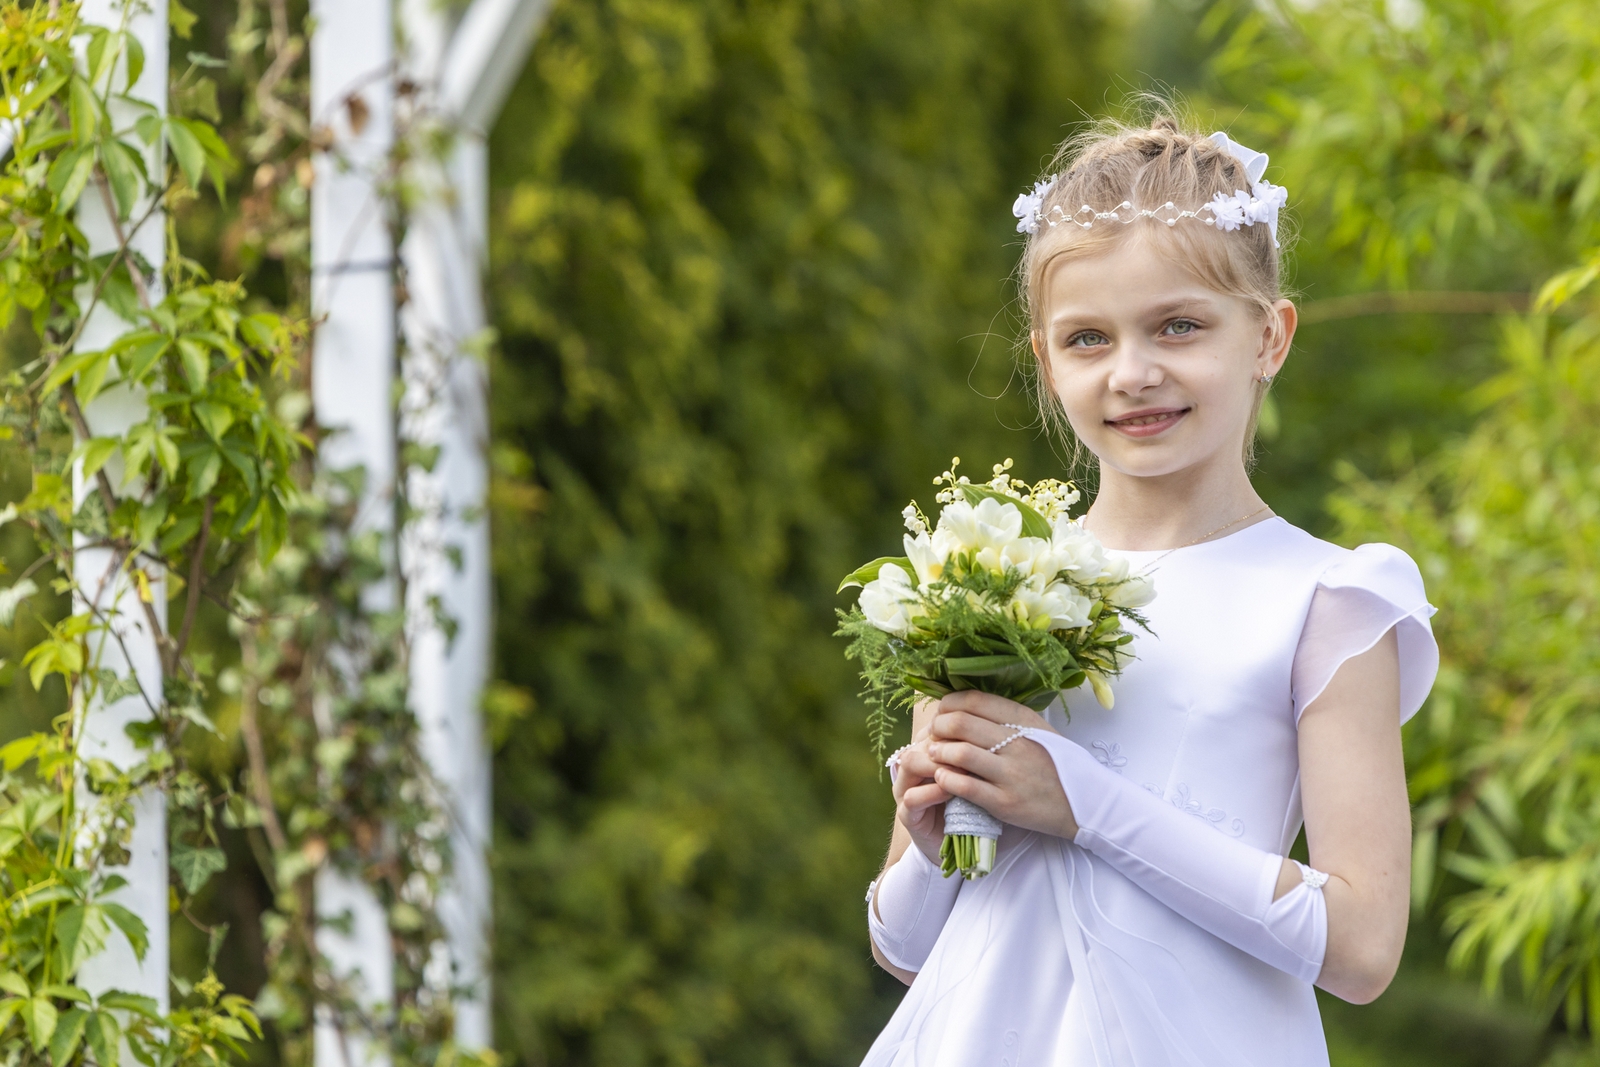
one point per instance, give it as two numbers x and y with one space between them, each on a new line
1277 335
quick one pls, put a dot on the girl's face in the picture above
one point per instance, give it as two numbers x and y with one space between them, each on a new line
1155 371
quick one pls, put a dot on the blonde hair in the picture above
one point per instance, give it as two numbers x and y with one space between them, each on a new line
1148 167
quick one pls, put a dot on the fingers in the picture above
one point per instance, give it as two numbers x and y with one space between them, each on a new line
966 757
990 707
973 729
988 797
923 796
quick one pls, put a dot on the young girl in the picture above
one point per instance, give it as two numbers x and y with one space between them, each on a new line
1142 910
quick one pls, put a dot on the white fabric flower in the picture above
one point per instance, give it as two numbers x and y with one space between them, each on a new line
1260 204
989 525
890 601
1029 207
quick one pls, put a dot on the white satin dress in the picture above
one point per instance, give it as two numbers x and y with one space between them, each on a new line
1058 959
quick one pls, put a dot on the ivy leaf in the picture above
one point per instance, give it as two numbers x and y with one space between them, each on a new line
195 866
69 175
132 927
135 58
138 352
137 1003
187 150
203 475
39 1015
216 418
125 171
81 931
182 21
104 1036
96 451
196 363
66 368
83 107
10 599
69 1031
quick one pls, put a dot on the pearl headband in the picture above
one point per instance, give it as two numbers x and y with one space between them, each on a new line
1226 212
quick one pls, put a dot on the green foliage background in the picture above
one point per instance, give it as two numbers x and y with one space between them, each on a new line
751 274
751 269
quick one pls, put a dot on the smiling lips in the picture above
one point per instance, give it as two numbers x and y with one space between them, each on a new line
1147 423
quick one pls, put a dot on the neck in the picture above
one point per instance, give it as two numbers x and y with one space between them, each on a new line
1172 510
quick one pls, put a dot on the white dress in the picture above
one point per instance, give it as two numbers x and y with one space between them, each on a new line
1058 959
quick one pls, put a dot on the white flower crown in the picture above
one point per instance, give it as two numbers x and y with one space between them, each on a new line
1226 212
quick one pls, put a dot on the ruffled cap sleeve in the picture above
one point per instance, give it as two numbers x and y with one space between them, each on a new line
1359 598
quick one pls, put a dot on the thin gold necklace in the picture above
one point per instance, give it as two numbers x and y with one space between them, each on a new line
1205 536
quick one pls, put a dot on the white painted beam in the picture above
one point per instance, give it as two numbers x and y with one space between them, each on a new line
486 54
465 77
352 99
99 581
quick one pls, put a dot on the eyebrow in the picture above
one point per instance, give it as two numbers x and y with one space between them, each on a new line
1196 304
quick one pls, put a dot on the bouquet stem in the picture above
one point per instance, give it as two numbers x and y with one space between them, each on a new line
969 839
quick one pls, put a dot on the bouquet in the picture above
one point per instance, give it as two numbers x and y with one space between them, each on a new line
1006 594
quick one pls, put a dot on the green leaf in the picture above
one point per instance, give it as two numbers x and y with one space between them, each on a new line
66 368
10 600
8 1010
92 377
39 1015
137 1003
978 666
132 927
125 171
215 418
187 150
96 451
69 1031
138 352
196 364
11 981
1033 523
182 21
195 866
862 575
104 1037
203 475
62 991
81 931
83 109
135 58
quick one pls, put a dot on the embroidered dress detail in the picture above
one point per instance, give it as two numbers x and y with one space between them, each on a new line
1215 816
1110 754
1312 877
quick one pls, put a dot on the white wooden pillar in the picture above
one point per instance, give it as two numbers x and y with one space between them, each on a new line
465 72
100 582
352 100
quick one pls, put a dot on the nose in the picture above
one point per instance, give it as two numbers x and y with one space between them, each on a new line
1134 369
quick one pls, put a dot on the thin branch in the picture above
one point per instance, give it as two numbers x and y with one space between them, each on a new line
1442 302
196 577
256 754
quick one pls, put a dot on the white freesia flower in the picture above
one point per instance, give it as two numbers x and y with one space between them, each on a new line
1134 592
1050 605
930 552
890 601
1080 551
989 525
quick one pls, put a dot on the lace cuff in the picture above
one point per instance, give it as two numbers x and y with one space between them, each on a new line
1360 598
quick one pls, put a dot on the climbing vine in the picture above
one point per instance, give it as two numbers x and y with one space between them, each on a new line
210 496
159 465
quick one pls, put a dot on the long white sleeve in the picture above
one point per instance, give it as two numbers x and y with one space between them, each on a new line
913 900
1222 885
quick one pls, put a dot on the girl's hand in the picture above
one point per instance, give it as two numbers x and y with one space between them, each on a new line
919 800
1018 784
